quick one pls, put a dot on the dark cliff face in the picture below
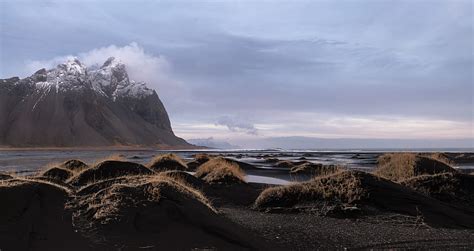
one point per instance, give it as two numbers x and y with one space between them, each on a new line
72 106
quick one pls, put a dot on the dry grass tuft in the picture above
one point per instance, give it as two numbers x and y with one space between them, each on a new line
133 211
401 166
115 157
220 171
315 169
19 181
99 185
108 169
344 186
441 157
199 159
74 165
165 162
369 193
203 157
184 178
152 203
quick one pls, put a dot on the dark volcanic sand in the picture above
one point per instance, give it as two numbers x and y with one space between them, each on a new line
306 231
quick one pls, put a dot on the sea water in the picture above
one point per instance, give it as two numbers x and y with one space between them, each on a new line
30 161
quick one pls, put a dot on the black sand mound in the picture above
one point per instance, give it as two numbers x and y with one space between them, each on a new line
74 165
5 176
223 181
314 169
99 185
271 160
220 171
242 165
108 169
367 192
460 158
184 177
199 159
400 166
32 217
57 173
167 162
284 164
56 182
157 213
287 164
449 187
239 194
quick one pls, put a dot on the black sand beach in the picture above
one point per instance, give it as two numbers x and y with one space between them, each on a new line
223 201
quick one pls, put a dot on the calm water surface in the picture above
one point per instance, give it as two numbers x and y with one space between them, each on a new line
30 161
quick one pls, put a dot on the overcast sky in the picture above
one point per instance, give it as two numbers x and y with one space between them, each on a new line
239 69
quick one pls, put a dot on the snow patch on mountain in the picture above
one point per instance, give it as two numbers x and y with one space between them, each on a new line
110 80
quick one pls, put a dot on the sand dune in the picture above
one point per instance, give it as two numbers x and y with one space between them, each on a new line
115 204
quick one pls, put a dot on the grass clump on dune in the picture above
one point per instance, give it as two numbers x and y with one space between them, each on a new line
167 162
74 165
57 173
401 166
314 169
199 159
220 171
449 187
202 157
116 157
442 157
115 204
183 177
370 193
108 169
345 187
155 211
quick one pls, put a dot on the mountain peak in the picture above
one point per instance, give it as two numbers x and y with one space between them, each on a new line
111 62
73 67
76 105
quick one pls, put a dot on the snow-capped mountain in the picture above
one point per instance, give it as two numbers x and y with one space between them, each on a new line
110 80
73 105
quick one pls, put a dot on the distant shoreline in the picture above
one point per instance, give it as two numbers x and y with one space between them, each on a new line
170 148
100 148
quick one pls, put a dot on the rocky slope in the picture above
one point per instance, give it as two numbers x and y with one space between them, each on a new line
76 106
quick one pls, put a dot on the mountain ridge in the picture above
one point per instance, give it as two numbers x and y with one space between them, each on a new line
76 106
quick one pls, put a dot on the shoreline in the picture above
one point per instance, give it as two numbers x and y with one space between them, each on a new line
30 159
102 148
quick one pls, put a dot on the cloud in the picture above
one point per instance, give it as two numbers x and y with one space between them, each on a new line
141 66
277 124
234 125
282 59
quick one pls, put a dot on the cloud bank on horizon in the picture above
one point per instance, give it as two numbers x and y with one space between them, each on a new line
249 70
